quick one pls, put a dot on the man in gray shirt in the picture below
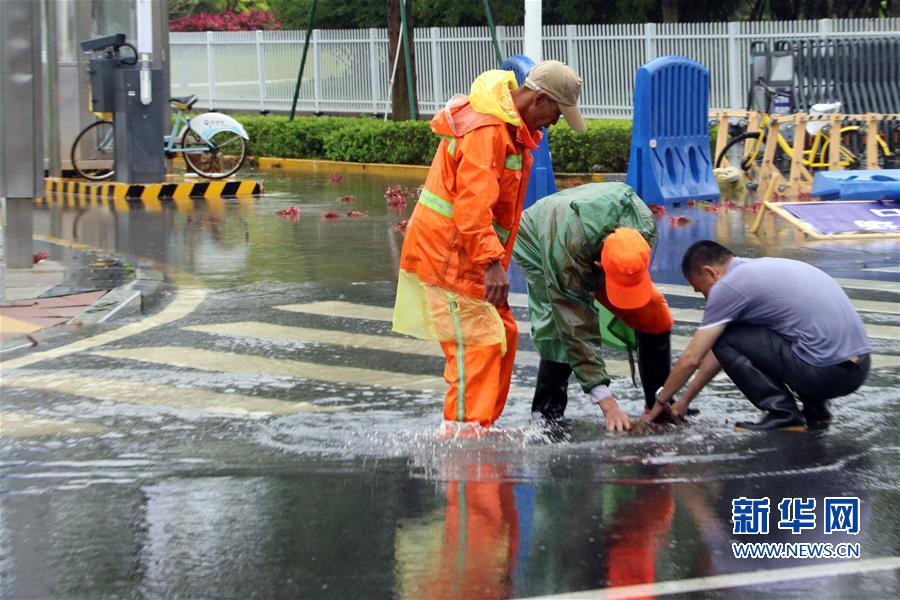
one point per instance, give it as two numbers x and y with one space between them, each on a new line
780 328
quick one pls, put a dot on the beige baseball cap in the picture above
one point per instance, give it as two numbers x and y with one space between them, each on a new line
563 85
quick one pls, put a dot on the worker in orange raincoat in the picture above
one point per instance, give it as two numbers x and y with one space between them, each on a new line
453 284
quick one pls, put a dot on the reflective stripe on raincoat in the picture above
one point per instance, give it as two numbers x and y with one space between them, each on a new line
559 240
467 215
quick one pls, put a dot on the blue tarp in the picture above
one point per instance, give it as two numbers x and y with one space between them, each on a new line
883 184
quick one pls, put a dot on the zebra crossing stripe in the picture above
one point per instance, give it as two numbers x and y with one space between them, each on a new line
349 310
185 301
16 424
285 333
229 362
867 284
132 392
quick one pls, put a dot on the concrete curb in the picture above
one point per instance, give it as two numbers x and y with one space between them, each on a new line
139 295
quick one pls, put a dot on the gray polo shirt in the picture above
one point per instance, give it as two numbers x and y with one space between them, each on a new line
794 299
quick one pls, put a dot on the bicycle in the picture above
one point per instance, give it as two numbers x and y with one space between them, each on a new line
815 156
213 145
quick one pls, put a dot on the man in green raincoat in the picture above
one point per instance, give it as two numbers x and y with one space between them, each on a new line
581 245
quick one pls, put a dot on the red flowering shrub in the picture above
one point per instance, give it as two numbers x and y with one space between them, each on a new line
227 21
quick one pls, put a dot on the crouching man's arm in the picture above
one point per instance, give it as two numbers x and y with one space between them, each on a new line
697 355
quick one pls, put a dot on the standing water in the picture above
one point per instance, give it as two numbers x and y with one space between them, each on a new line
278 441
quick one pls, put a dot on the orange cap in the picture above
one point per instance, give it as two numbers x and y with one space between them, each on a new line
625 259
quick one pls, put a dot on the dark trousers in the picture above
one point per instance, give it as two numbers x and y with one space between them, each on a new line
654 364
763 366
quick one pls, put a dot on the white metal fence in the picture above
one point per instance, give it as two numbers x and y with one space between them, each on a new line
348 70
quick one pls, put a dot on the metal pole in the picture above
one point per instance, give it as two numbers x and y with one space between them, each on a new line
309 24
260 72
532 43
54 164
490 22
21 126
410 89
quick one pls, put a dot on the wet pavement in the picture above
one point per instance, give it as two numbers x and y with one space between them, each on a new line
263 434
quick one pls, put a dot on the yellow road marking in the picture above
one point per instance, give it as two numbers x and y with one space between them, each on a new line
61 242
132 392
21 425
869 284
336 308
268 331
350 310
13 325
185 301
228 362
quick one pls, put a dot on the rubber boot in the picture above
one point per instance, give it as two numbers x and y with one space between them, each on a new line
551 391
816 413
764 392
654 362
766 395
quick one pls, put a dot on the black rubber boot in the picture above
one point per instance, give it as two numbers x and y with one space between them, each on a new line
816 413
765 393
654 362
550 393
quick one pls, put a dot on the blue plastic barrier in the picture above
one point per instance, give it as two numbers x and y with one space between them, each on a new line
883 184
670 162
541 182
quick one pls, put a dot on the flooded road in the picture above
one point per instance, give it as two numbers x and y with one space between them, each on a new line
263 434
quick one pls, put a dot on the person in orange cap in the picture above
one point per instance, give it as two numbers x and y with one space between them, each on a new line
453 284
560 239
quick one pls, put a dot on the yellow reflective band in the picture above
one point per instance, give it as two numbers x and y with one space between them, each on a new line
441 206
460 360
451 145
502 233
436 203
514 162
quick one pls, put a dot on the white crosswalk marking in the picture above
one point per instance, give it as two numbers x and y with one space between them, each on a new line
350 310
870 285
132 392
888 308
269 331
229 362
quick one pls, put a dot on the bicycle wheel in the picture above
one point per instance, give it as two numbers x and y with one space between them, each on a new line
852 152
748 155
92 152
224 155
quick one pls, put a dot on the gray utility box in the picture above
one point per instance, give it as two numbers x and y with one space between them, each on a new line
139 156
102 77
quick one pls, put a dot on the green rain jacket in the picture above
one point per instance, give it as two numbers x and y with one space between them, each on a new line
559 240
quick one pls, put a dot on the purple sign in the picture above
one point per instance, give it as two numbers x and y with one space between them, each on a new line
834 217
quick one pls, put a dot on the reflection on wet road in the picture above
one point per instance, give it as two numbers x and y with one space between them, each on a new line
273 438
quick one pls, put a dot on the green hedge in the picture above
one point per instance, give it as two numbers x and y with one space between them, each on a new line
604 147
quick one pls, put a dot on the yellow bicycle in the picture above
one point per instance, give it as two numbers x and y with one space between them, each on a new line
817 152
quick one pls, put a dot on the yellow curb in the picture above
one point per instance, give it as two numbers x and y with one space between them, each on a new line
330 166
314 165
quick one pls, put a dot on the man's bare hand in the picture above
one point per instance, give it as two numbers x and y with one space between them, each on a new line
496 284
664 413
616 419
